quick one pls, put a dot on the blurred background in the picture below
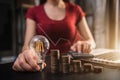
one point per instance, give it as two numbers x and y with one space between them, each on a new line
102 17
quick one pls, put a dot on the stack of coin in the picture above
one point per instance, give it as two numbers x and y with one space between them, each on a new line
55 57
98 69
65 67
88 67
77 66
65 59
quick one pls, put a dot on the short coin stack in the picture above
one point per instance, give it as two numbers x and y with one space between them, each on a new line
88 67
65 59
77 66
98 69
55 57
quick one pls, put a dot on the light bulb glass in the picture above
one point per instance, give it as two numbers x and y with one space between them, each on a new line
40 45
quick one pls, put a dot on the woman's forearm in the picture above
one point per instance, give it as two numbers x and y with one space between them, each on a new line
84 31
29 33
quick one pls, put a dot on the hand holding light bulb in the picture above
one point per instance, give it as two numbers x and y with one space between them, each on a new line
33 58
40 45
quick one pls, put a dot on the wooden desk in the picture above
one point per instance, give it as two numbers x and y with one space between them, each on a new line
6 73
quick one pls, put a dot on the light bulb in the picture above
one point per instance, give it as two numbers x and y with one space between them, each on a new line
40 45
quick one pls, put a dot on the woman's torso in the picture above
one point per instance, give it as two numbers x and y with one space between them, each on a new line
60 33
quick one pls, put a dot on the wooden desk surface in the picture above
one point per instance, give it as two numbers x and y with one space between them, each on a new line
6 73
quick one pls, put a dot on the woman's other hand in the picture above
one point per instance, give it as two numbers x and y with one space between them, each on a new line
82 47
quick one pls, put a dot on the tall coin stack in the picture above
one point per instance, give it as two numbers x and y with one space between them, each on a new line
77 66
65 59
55 57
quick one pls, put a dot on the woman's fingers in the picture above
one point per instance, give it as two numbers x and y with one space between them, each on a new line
17 66
26 61
90 49
79 50
76 47
23 63
73 47
32 61
81 47
85 48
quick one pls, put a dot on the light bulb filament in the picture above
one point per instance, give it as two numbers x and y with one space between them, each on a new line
39 46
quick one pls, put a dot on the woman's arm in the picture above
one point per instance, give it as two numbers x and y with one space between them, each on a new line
88 43
84 31
27 59
29 33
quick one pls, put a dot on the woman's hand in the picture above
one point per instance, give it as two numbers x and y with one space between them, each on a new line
26 61
82 47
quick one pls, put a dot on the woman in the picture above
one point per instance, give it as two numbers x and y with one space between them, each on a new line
63 23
